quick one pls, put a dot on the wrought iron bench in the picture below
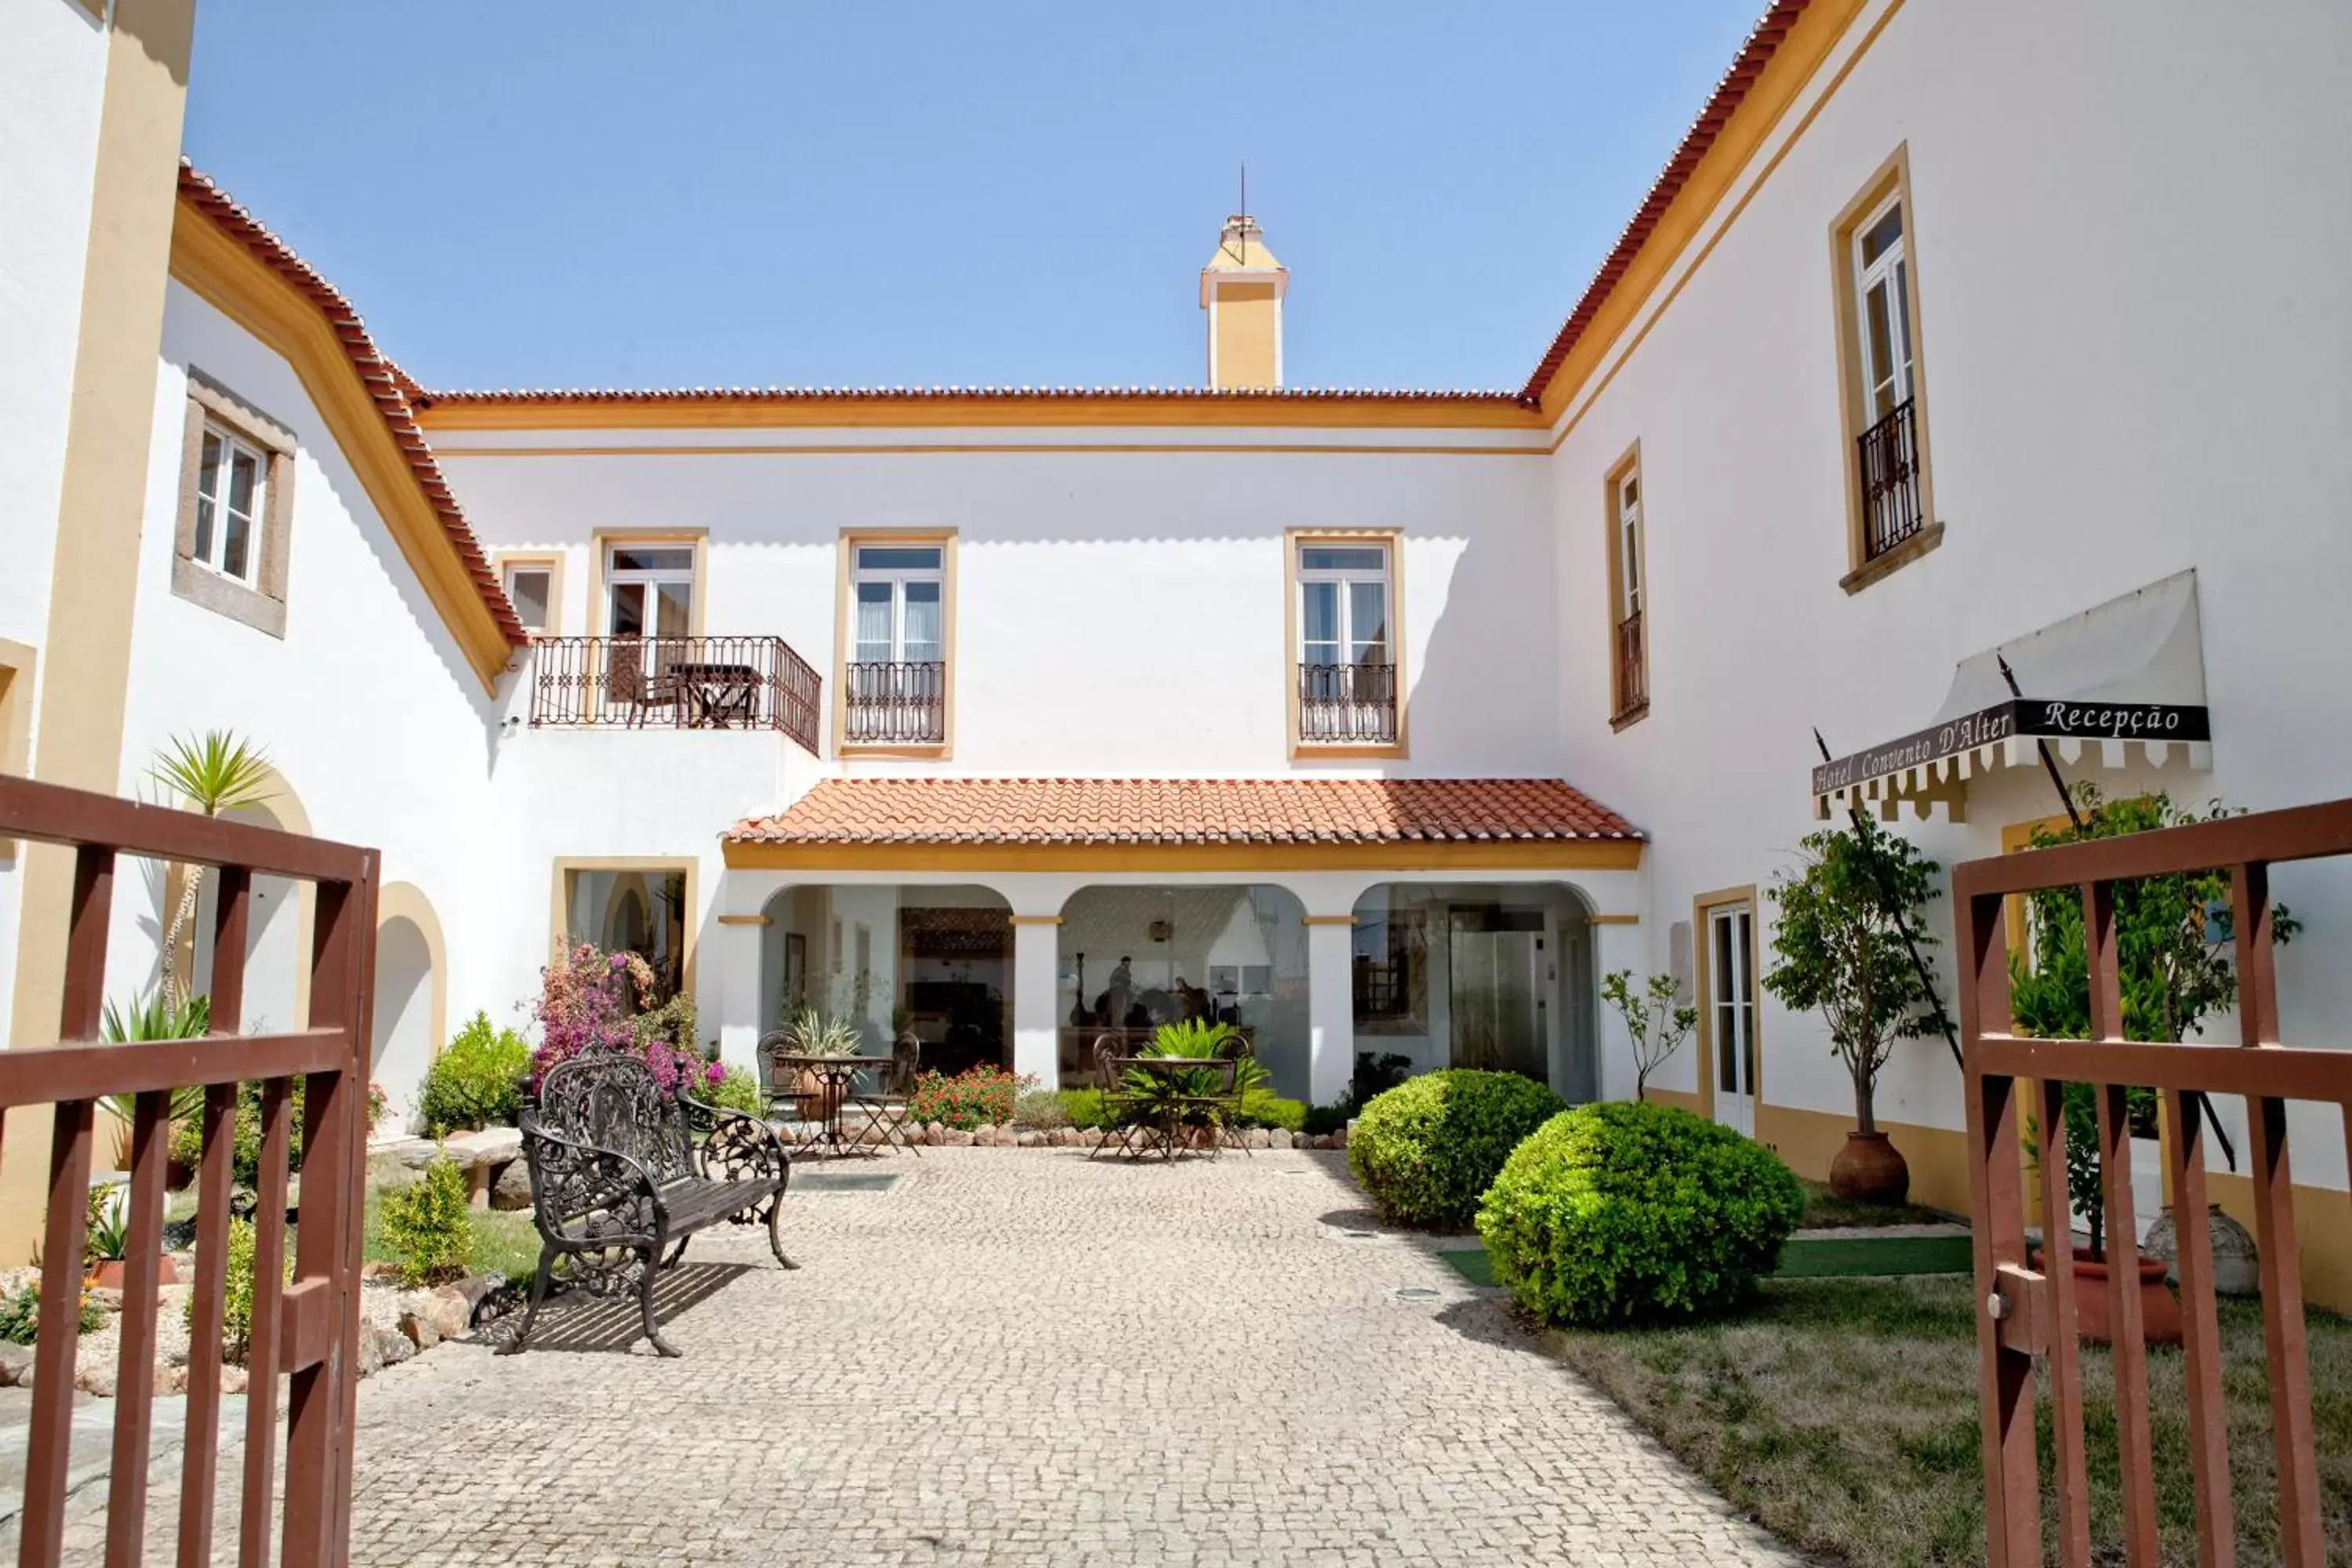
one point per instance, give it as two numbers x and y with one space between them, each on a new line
622 1174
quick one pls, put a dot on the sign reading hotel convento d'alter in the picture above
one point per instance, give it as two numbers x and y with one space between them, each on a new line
2025 718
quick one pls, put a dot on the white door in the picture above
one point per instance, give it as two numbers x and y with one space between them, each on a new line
1731 985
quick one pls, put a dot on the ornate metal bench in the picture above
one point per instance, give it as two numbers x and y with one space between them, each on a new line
623 1174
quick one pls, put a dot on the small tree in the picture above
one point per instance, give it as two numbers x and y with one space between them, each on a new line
218 772
1658 1025
2174 946
1841 949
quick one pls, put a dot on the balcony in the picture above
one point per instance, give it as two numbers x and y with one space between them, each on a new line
1632 671
1889 455
685 683
895 703
1348 704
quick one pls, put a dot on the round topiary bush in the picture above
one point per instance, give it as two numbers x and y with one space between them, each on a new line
1428 1149
1621 1212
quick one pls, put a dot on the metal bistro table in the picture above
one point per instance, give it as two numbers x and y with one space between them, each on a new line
715 696
1166 1128
836 1075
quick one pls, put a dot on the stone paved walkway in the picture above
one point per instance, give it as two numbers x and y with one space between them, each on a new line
1027 1358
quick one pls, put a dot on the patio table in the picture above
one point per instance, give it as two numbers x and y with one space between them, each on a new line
835 1077
715 696
1164 1129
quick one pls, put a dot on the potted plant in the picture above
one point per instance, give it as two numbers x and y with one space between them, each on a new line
1658 1025
106 1247
1841 952
2174 938
2094 1309
812 1033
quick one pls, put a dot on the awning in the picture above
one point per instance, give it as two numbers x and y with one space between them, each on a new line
2130 672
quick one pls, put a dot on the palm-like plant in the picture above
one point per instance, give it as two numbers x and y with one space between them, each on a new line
1190 1090
214 773
153 1018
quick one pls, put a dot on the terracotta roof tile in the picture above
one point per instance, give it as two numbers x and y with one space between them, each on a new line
1183 811
388 386
1763 39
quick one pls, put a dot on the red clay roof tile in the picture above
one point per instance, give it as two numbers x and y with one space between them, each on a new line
1183 811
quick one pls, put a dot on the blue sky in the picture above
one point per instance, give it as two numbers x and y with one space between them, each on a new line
527 194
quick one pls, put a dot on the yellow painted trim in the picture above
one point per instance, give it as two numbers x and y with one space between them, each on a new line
1611 519
234 282
557 934
1681 1098
601 542
966 449
1580 854
1791 68
1702 987
1573 391
20 663
407 900
1347 919
846 554
1076 411
1035 919
1294 540
552 562
1810 1139
1892 177
745 921
1612 919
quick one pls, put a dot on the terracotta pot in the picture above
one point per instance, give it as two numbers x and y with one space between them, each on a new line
815 1098
107 1275
2160 1313
1870 1170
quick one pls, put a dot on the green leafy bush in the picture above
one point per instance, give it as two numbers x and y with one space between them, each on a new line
1083 1107
244 1146
1427 1150
1262 1108
1040 1107
1324 1119
429 1226
739 1090
980 1097
474 1083
236 1293
20 1314
1622 1212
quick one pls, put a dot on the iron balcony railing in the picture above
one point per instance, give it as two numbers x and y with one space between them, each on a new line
895 703
1892 510
1348 704
1633 668
686 683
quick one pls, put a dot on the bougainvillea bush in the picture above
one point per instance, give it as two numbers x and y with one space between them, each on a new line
979 1097
591 998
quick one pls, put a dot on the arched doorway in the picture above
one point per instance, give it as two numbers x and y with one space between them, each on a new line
401 1049
933 961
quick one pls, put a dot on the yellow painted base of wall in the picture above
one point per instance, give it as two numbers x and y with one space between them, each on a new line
1684 1097
1810 1139
23 1181
2323 1226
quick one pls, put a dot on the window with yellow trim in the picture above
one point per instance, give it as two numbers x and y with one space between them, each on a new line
1345 655
1891 516
1629 592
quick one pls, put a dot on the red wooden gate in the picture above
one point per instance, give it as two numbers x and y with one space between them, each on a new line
2028 1316
306 1331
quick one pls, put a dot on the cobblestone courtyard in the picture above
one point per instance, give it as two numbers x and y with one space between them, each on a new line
1030 1358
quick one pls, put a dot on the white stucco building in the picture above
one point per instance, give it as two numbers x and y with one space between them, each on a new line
1381 723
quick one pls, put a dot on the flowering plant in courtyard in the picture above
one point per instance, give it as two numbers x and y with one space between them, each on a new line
980 1097
589 998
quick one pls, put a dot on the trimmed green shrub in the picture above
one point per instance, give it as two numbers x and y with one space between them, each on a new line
1324 1119
1624 1212
1427 1150
475 1082
245 1143
430 1225
236 1293
1262 1108
739 1090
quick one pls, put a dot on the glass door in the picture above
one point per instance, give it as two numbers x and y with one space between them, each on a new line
1495 994
1731 984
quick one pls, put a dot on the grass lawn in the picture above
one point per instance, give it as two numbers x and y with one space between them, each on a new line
506 1241
1824 1210
1843 1414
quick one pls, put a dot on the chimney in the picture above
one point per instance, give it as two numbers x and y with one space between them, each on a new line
1242 288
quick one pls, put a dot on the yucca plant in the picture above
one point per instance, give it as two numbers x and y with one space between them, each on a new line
153 1018
214 773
